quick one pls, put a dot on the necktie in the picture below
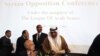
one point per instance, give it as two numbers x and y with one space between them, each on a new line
38 36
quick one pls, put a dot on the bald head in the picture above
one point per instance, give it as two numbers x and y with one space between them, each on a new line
29 45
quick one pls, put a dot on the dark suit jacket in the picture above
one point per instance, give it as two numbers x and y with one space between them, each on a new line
6 46
94 50
23 53
38 44
20 45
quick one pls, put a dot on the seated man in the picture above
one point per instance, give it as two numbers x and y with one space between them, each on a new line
30 49
55 44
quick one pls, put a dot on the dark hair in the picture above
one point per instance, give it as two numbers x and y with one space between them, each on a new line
38 25
24 31
7 31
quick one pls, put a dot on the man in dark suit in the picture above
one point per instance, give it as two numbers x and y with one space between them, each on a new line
94 50
20 42
38 38
6 45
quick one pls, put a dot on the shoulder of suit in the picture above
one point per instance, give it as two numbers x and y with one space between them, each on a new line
44 33
34 34
19 37
3 37
99 35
